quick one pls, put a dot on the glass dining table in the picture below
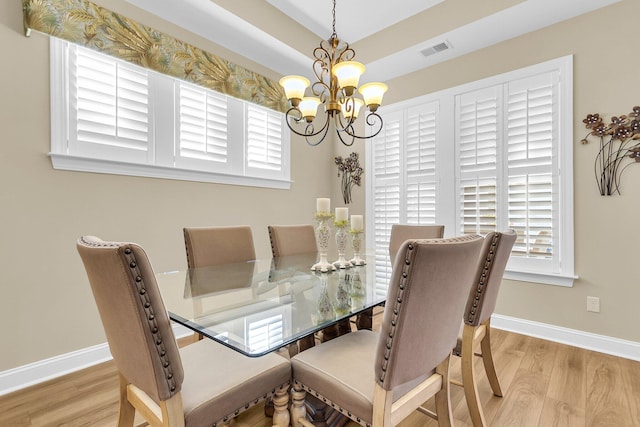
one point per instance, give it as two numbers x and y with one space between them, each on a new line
259 306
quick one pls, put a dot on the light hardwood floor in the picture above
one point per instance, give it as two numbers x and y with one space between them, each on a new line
544 384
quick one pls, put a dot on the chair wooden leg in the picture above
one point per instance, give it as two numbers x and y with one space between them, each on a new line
172 412
364 320
298 408
443 397
126 411
306 342
382 405
281 416
468 377
487 359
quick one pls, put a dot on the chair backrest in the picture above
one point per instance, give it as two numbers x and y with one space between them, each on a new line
425 301
402 232
133 315
490 269
207 246
292 240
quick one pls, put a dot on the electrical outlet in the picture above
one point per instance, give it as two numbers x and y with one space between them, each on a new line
593 304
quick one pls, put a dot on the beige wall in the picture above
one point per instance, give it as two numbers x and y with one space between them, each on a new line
46 308
606 240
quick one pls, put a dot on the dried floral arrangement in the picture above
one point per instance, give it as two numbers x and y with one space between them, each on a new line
351 172
619 147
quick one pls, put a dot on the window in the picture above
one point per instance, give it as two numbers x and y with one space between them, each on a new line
491 155
114 117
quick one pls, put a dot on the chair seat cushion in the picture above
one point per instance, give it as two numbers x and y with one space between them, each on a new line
342 368
218 381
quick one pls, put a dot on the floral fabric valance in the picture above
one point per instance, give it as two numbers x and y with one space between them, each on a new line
87 24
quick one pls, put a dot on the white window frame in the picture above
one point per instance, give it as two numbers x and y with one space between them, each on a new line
448 176
162 160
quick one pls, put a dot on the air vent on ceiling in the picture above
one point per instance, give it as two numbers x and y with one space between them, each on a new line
437 48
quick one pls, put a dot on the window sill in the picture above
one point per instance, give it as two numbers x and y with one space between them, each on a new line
83 164
544 278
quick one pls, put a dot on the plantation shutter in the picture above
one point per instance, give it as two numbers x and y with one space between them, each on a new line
532 127
478 116
265 333
420 141
264 139
202 127
386 194
109 103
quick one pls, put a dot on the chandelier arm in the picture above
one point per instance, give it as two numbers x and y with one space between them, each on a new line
340 130
340 125
326 130
348 144
309 130
349 129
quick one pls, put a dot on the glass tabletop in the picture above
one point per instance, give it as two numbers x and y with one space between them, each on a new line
259 306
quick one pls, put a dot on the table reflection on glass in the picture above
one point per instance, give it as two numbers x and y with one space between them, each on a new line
259 306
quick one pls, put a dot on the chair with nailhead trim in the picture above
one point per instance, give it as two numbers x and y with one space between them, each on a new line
202 384
378 379
476 325
400 233
208 246
211 246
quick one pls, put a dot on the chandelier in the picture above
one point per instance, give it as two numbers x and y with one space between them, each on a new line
337 80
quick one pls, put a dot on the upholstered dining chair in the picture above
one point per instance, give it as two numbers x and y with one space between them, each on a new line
476 327
402 232
292 239
208 246
202 384
378 379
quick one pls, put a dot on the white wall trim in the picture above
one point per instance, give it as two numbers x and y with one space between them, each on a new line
587 340
47 369
44 370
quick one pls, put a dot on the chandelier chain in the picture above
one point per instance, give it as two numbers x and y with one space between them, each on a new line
334 18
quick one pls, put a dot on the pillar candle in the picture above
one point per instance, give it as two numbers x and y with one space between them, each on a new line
323 205
356 222
342 214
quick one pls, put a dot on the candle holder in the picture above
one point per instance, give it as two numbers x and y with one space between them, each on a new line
325 306
343 299
323 234
341 241
356 287
355 242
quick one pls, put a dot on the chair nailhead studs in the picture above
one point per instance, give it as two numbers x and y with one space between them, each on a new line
127 251
133 264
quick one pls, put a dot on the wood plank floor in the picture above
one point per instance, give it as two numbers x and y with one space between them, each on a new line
544 384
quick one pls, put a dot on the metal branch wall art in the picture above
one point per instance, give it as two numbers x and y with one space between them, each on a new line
351 172
619 148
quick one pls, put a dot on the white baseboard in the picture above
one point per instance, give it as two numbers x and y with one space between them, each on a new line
47 369
44 370
587 340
